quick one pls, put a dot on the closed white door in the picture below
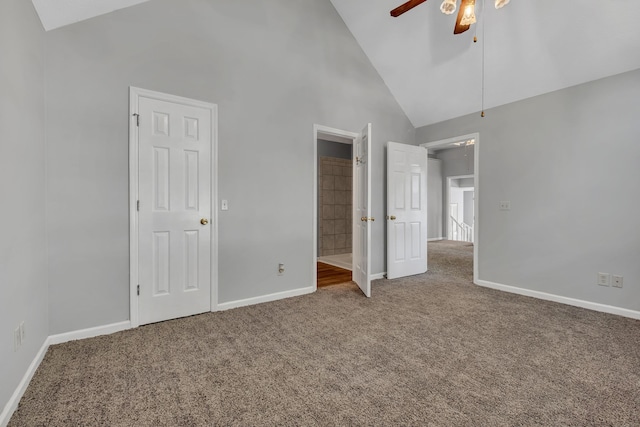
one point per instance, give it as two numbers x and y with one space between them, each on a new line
362 213
406 210
174 218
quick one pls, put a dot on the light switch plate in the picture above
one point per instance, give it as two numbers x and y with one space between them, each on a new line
603 279
225 205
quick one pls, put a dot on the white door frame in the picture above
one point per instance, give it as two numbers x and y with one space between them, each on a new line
448 197
476 183
134 95
319 129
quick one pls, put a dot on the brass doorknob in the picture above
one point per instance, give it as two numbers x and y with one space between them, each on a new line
392 217
204 221
372 219
363 219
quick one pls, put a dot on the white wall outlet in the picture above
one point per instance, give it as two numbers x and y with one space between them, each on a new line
280 269
616 281
16 339
23 335
505 205
603 279
224 205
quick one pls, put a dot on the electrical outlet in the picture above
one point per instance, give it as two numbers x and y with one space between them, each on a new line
505 205
603 279
23 335
16 339
616 281
280 269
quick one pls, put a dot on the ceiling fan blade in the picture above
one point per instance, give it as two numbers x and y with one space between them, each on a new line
406 7
459 29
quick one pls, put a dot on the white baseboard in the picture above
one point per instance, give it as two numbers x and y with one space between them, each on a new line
12 404
563 300
265 298
89 333
335 264
379 275
435 239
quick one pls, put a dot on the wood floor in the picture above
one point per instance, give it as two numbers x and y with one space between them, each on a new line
329 275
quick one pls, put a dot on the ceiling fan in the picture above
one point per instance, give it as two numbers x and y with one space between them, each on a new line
466 13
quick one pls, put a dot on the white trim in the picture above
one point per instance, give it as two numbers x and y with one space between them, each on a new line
340 134
377 276
134 96
435 239
334 264
133 212
266 298
476 197
14 400
603 308
89 332
450 141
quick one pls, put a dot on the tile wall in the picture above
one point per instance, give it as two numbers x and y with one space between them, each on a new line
334 206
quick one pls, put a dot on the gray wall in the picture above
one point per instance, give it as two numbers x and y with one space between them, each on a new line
533 153
274 68
434 199
465 182
334 149
456 161
23 281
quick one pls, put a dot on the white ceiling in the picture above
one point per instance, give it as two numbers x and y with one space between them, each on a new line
531 47
58 13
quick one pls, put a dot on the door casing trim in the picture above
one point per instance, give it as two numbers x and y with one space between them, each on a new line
135 94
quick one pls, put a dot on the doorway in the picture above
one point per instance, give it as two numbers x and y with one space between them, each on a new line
459 163
173 199
461 219
334 201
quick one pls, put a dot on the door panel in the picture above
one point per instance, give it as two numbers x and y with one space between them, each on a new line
406 210
174 250
362 216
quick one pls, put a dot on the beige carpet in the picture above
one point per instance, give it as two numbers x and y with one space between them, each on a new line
426 350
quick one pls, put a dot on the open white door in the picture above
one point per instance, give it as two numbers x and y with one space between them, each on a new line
406 210
361 221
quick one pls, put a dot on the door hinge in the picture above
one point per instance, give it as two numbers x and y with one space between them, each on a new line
138 290
137 116
138 205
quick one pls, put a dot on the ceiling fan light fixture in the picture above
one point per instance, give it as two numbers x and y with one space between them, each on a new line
448 7
469 16
501 3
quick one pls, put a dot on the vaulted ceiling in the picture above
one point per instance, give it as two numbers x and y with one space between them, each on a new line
529 48
58 13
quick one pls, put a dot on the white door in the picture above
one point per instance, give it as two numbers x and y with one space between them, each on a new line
362 219
406 210
174 218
